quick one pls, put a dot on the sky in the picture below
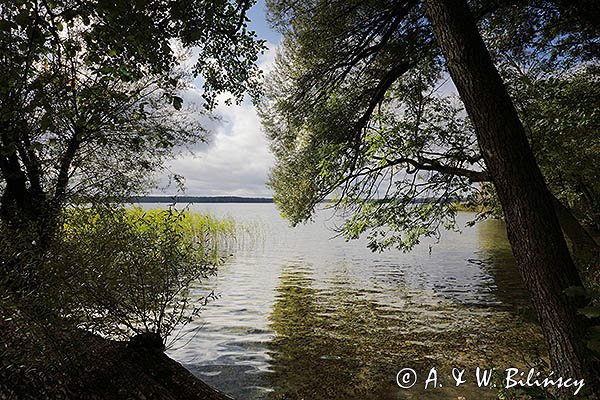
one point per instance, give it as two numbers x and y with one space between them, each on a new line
236 160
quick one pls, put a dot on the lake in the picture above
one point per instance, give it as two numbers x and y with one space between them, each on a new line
302 314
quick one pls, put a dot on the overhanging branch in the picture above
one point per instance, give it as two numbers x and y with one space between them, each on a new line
426 164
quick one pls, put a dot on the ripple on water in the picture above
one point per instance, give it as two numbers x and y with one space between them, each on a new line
302 316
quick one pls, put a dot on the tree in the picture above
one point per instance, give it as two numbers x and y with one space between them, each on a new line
90 96
561 119
91 102
533 230
552 78
342 62
431 135
557 109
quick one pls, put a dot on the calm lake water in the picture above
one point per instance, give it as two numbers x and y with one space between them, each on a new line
303 315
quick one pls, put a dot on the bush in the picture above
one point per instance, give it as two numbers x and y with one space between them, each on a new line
132 272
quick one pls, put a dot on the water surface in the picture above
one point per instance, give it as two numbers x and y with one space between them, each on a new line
303 315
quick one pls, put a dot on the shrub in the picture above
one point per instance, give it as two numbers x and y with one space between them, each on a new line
132 272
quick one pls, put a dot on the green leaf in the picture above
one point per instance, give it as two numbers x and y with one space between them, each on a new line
9 149
6 25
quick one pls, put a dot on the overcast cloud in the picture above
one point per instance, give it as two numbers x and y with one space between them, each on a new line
235 161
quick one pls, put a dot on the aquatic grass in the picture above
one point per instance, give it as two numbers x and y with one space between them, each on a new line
214 237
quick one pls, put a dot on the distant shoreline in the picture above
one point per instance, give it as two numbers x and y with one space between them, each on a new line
200 199
460 204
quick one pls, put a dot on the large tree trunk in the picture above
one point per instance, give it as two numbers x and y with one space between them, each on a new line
533 229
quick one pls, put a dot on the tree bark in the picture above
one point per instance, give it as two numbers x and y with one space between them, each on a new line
533 230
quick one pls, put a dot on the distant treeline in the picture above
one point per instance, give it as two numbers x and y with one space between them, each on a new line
200 199
237 199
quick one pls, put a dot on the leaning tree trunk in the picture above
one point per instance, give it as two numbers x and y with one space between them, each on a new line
533 230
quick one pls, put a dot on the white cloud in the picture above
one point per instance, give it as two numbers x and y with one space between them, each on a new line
266 62
236 160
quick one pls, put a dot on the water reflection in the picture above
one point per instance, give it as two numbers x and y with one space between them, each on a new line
336 340
304 317
495 257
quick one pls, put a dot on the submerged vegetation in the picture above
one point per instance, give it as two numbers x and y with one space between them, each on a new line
363 343
357 107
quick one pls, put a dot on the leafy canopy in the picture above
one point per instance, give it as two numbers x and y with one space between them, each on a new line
91 101
354 110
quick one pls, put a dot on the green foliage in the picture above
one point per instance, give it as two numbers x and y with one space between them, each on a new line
559 110
354 113
347 120
120 273
118 41
92 102
548 58
564 124
112 271
591 312
131 271
396 180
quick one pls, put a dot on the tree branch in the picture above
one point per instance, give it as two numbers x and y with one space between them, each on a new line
427 164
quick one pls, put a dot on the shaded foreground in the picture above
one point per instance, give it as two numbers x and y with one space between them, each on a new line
97 368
